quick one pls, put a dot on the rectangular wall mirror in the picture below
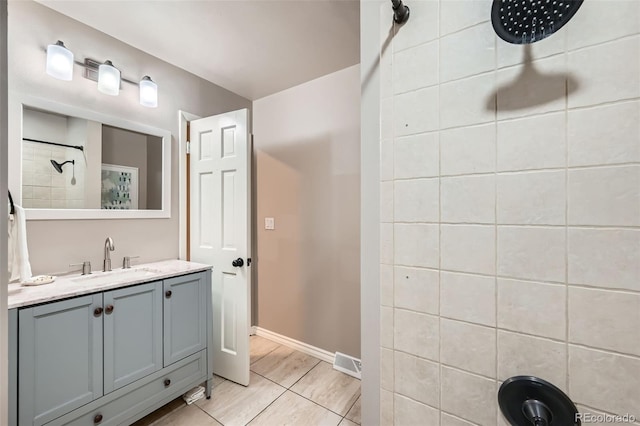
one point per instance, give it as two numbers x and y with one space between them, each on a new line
78 164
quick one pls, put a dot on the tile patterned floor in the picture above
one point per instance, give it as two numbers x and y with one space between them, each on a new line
287 388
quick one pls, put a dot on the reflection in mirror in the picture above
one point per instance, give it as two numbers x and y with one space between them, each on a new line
75 163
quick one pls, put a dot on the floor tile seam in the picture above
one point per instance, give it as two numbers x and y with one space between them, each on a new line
265 408
280 384
318 404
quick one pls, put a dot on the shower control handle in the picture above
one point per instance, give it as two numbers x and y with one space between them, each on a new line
238 262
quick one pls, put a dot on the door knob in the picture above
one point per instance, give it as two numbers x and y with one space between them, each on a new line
238 262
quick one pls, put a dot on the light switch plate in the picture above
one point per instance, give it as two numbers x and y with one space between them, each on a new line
269 223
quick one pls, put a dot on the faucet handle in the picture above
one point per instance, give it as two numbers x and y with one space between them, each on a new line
86 267
126 261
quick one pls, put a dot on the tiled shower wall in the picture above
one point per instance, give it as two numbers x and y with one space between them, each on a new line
510 210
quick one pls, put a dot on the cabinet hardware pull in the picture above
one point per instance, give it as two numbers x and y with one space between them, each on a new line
108 309
97 419
97 311
168 294
167 382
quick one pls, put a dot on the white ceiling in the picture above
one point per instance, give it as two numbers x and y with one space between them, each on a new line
251 47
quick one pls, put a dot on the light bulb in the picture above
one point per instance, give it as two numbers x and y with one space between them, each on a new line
59 61
109 79
148 92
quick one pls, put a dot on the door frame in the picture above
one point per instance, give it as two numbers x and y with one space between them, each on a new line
183 118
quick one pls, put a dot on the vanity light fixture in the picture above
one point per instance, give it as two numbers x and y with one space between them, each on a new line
109 79
148 92
60 63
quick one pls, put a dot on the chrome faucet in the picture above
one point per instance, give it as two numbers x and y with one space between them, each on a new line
108 246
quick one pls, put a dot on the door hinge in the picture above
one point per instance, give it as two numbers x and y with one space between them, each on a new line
188 147
248 261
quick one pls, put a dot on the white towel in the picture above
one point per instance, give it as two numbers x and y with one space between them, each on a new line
193 395
19 267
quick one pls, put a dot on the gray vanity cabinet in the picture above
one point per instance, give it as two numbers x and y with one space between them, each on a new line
111 357
132 334
60 357
185 325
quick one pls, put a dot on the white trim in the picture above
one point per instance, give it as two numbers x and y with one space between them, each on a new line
183 118
295 344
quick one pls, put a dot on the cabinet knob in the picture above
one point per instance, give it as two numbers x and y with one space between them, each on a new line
108 309
167 382
168 294
97 419
97 311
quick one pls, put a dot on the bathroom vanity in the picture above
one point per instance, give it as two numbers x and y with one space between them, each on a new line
110 347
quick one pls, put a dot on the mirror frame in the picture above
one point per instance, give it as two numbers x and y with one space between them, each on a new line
16 104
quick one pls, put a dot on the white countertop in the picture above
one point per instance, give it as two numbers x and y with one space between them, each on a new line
76 285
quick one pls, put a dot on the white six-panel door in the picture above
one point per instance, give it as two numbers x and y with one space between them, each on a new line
220 232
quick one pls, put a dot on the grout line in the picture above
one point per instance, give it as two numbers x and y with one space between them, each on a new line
520 225
566 219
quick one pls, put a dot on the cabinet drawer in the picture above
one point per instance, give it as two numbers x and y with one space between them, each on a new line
126 402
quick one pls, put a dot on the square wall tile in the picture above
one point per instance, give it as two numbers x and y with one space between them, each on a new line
604 22
468 298
416 156
410 412
605 319
468 199
386 243
417 200
468 248
534 88
415 68
535 253
418 245
532 198
417 334
603 379
416 112
532 308
605 257
386 160
467 102
386 201
608 196
386 327
386 285
417 289
424 17
468 150
606 134
520 355
468 396
468 347
386 369
456 15
417 378
467 52
597 73
537 142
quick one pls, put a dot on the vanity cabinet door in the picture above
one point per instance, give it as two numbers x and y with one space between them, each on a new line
132 334
185 316
59 358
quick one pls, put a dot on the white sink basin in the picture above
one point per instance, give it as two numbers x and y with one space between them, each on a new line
115 276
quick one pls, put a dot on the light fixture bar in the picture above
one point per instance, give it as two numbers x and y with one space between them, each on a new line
91 71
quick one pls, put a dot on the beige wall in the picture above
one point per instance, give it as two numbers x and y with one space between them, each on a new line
55 244
509 213
307 177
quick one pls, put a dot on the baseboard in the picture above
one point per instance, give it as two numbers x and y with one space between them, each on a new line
295 344
252 330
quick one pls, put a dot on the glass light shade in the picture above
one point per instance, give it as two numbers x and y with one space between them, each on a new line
109 79
59 61
148 92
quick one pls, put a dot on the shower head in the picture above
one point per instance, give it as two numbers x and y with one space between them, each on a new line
58 166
